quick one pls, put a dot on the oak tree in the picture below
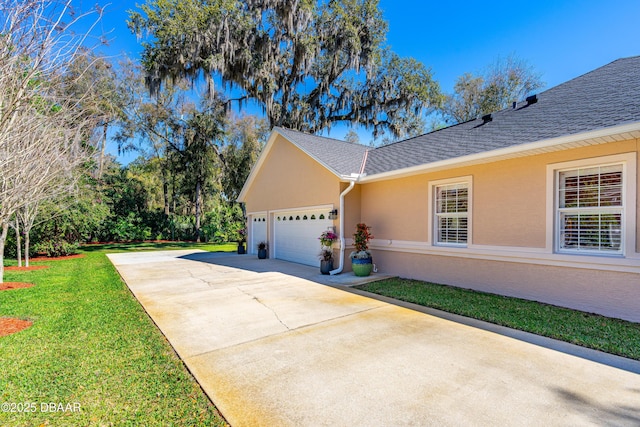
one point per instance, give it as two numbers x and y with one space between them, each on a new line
309 64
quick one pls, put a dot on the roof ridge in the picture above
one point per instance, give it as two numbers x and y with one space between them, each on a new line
365 156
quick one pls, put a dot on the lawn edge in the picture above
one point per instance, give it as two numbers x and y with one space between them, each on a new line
173 350
615 361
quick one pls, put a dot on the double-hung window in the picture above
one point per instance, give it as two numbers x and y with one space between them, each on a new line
590 213
451 214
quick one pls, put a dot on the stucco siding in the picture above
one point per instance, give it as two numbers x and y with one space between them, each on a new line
608 293
509 203
353 211
511 249
397 209
289 178
510 241
503 214
509 200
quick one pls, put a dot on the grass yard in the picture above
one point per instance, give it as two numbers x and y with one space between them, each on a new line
588 330
92 352
150 246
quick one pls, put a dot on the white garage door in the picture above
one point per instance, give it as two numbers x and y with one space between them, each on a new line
258 232
296 235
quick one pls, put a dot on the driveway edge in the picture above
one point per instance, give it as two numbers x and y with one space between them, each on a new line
597 356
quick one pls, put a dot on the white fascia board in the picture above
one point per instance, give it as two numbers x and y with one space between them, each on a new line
547 145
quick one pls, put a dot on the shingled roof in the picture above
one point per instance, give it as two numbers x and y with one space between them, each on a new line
603 98
606 97
341 157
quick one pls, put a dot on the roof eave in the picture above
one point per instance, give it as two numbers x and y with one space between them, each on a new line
595 137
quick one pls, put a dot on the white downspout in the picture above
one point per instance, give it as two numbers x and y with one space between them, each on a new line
342 241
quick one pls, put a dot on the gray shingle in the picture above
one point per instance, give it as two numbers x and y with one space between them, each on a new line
605 97
343 158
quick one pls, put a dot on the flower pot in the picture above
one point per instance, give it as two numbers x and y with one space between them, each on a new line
362 266
241 249
262 253
326 266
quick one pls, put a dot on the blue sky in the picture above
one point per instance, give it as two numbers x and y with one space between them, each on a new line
561 39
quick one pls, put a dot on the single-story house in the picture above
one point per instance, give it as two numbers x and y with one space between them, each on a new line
537 201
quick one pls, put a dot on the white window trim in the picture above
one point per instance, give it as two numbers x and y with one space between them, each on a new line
431 211
629 177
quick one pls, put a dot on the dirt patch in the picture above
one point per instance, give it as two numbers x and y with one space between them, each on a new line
10 325
14 285
30 268
55 258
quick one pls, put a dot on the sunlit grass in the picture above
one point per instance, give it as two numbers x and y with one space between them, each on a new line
588 330
93 346
150 246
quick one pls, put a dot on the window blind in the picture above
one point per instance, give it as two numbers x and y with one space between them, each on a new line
452 203
590 209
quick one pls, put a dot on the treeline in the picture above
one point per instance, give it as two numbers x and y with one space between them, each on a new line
152 198
308 66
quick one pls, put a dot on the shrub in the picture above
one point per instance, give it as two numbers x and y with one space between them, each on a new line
130 228
56 247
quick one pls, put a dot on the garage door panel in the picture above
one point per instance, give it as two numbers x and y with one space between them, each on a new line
258 232
296 235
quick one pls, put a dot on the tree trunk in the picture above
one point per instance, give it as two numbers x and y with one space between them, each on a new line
3 240
173 206
198 210
165 190
102 150
18 243
26 248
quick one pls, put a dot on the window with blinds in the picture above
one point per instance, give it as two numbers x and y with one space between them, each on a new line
590 208
451 214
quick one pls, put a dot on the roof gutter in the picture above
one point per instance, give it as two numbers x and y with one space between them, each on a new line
352 183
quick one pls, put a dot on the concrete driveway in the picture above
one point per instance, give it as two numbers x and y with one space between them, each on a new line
272 346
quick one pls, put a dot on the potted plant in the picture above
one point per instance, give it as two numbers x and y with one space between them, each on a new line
326 261
326 254
242 235
262 250
361 261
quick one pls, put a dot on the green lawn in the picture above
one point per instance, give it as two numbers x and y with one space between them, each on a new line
588 330
150 246
92 347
